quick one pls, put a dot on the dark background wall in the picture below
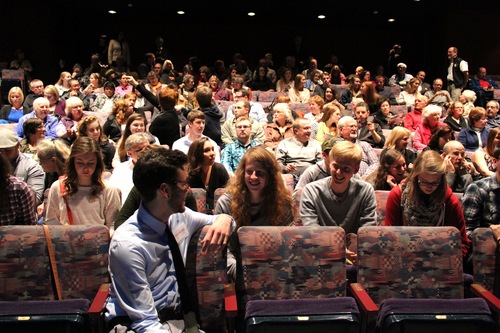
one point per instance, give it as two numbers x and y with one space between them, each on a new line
49 32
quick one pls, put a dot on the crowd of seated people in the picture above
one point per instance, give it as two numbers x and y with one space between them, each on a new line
83 138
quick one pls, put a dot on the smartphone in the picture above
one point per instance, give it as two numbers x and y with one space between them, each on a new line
370 119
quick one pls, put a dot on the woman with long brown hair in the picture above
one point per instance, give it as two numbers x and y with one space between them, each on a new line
82 197
204 172
425 199
256 196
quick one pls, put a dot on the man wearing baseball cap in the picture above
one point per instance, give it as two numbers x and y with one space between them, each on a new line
23 167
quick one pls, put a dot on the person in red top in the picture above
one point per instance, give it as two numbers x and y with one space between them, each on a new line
483 86
413 119
425 199
430 121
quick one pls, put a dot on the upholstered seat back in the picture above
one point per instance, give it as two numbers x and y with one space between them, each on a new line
206 274
81 254
293 262
410 262
381 198
200 196
483 257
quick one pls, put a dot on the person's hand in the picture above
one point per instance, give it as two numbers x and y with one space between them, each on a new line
391 181
470 168
449 165
290 168
131 80
370 126
351 256
39 210
218 233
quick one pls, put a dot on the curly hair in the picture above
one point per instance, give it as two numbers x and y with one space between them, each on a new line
276 198
120 110
84 145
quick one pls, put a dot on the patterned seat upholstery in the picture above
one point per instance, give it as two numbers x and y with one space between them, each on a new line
410 262
218 193
200 196
25 269
293 262
206 273
81 254
289 182
381 198
483 257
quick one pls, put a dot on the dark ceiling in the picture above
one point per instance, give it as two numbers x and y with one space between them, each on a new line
343 12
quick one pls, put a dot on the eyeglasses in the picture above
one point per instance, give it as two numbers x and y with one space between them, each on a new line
182 184
428 184
242 127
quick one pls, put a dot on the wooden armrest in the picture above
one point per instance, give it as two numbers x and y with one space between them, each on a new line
96 310
367 304
100 298
230 303
492 301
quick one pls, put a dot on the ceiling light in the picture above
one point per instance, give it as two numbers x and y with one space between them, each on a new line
181 12
321 17
130 5
391 20
251 14
375 12
111 11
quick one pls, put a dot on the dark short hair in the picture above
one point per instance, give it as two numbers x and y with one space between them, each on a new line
496 153
108 84
30 125
155 166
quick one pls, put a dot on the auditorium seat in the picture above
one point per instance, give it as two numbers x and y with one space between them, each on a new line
415 273
290 272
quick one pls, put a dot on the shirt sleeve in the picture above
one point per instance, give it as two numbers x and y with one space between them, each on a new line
53 211
455 217
128 269
472 207
112 205
36 181
393 210
26 205
308 211
368 214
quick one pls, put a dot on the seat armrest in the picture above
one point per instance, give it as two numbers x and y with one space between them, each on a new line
96 310
492 301
230 303
368 306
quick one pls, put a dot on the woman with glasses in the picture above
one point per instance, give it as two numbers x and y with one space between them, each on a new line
67 127
425 199
34 131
